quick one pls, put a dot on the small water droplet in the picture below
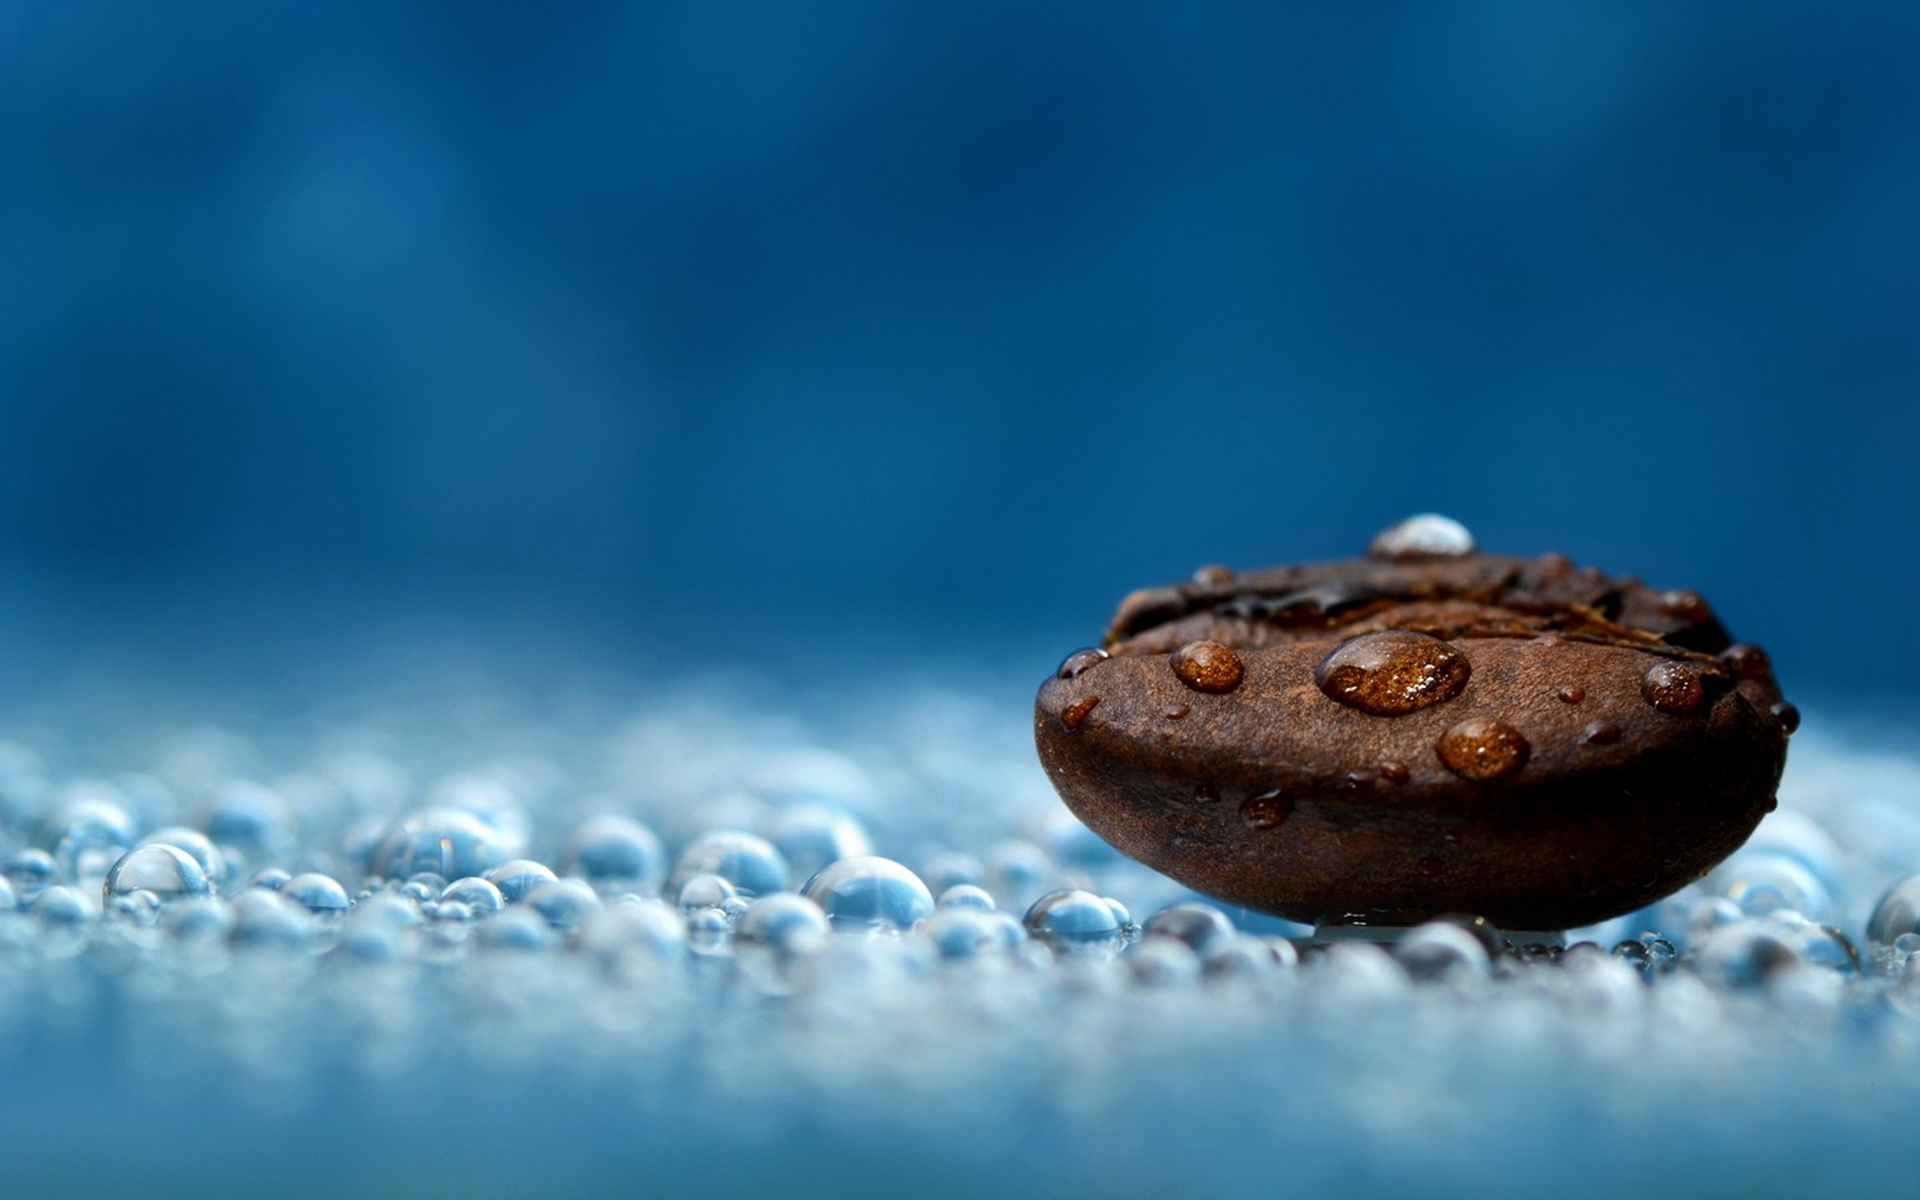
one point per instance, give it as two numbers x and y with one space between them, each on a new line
1392 672
966 895
1079 661
319 894
750 863
1685 605
1747 661
515 879
1213 575
1395 771
1177 712
1483 749
1573 693
615 849
1601 733
1674 687
1268 810
783 923
1207 667
1201 926
1075 923
1206 793
1787 715
1076 713
475 894
1426 535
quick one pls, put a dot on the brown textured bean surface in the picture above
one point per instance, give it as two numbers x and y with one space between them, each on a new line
1421 731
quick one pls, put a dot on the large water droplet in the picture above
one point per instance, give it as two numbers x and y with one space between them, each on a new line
1483 749
1674 687
477 895
197 845
1079 661
618 851
1075 923
749 863
564 903
515 879
1268 810
319 894
165 871
869 892
1426 535
1393 672
784 923
446 841
1207 667
1440 949
1200 926
1076 713
90 832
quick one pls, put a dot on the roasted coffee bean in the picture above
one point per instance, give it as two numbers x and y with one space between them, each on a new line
1420 731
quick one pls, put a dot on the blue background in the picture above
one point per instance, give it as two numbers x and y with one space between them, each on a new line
771 323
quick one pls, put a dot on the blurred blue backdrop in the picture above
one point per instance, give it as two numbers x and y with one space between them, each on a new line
957 319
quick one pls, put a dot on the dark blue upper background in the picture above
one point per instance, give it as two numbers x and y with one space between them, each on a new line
962 318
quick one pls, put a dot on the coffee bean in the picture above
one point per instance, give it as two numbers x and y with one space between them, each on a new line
1423 730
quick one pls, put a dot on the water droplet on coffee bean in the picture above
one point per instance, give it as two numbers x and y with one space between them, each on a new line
1428 535
1079 661
1483 749
1207 667
1268 810
1674 687
1076 714
1393 672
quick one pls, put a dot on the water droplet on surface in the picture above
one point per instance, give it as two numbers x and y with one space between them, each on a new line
1674 687
964 933
1787 715
1207 667
1079 661
268 921
1075 714
517 930
319 894
166 872
966 895
1206 793
1177 712
515 879
1249 960
784 923
1763 882
860 894
1394 771
1601 733
1747 661
564 903
61 905
749 863
31 872
1200 926
1213 575
1075 923
618 851
1268 810
446 841
1744 954
1163 964
1392 672
478 896
1685 605
705 891
89 833
1483 749
1425 535
213 864
1572 694
810 835
1897 914
1439 949
270 878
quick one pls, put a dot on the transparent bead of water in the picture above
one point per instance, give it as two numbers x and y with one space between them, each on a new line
1440 949
964 933
446 841
869 892
1895 916
319 894
1200 926
1764 882
31 872
750 863
61 905
709 932
452 912
784 923
515 879
966 895
165 871
1249 959
1075 923
705 891
213 864
811 835
616 850
269 921
565 903
479 896
89 833
1424 535
270 878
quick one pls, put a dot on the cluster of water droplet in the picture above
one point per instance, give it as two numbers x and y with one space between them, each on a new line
888 918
